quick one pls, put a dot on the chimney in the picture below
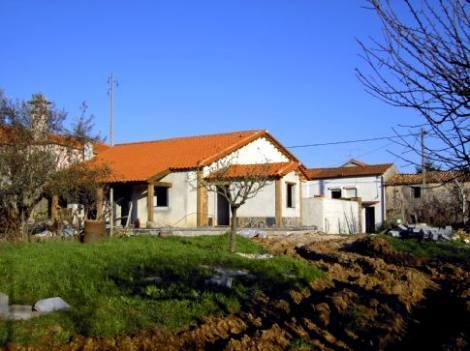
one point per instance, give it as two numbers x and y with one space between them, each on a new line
39 116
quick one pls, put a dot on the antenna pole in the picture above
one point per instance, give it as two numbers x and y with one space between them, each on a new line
111 83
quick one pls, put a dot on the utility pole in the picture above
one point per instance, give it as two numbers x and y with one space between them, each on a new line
112 83
423 157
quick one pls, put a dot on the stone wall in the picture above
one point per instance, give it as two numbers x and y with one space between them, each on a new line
268 222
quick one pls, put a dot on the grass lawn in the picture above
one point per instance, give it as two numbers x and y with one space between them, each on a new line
447 250
105 283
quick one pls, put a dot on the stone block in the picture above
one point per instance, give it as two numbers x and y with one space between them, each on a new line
50 305
4 299
20 312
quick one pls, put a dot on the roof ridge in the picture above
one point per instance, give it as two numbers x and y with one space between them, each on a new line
365 166
191 136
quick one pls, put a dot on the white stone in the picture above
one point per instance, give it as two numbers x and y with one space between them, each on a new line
50 305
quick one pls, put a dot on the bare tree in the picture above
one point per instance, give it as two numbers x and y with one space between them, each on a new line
237 183
423 63
35 151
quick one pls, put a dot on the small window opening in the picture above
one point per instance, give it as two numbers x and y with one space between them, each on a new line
161 195
290 195
417 192
336 193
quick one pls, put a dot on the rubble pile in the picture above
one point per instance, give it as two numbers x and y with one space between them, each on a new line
422 231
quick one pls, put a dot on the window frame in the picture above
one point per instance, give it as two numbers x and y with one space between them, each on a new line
290 195
155 197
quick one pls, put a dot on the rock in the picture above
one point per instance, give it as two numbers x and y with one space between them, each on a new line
255 256
3 299
20 312
219 280
252 233
3 304
165 233
50 305
152 279
45 233
230 272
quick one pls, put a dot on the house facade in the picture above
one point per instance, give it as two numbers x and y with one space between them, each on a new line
441 199
354 181
159 183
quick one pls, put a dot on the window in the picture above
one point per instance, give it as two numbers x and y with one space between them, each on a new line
335 193
350 192
161 195
290 195
416 192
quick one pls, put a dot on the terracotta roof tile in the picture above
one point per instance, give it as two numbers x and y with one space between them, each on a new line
431 177
345 172
269 170
144 160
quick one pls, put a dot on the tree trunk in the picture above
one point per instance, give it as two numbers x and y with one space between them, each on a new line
23 228
233 229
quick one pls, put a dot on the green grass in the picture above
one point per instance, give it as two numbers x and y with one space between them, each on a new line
447 250
103 282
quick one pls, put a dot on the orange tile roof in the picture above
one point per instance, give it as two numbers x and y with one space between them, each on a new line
7 133
431 177
268 170
345 172
143 160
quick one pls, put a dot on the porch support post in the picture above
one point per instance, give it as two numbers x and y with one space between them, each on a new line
111 212
150 203
278 202
55 207
202 202
99 203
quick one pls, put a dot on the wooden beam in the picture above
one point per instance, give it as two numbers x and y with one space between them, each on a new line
55 207
150 201
163 184
278 202
99 203
202 202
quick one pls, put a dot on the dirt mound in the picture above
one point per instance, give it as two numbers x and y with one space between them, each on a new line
371 298
381 248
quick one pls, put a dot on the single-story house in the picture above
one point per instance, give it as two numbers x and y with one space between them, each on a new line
354 180
158 183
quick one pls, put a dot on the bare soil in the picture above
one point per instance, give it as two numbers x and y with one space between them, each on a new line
371 298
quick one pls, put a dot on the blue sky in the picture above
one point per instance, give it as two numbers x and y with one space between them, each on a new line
197 67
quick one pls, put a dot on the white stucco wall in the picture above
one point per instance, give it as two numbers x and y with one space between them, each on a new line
331 216
368 189
182 202
260 150
263 205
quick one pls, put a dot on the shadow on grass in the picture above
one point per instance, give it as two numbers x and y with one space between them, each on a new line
170 283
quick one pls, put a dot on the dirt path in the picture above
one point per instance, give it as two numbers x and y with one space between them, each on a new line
372 298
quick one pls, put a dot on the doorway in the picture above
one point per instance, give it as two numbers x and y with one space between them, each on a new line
370 219
223 211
